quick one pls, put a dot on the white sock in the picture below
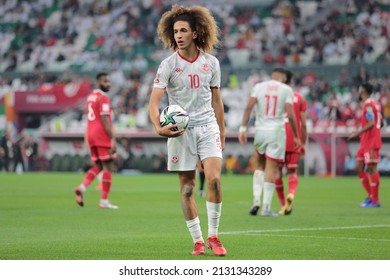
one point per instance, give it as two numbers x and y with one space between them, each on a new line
258 182
194 229
268 193
214 215
103 201
82 188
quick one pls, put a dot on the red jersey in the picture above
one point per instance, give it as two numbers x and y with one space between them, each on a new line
371 139
299 105
98 104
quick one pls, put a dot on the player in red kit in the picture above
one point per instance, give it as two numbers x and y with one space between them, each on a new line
99 136
292 153
370 144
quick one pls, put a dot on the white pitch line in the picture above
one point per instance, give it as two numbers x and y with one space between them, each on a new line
321 237
301 229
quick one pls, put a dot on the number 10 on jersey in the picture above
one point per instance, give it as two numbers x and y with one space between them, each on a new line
194 80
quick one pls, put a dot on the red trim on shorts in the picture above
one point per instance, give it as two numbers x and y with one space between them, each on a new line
274 159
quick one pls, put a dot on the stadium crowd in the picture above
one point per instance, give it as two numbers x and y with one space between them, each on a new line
50 41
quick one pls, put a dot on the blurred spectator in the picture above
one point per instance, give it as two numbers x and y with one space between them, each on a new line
231 164
7 151
20 156
384 165
31 152
160 164
349 165
361 77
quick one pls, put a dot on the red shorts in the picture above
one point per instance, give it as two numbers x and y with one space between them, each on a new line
102 154
367 155
291 160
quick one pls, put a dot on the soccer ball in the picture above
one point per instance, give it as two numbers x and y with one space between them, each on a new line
174 114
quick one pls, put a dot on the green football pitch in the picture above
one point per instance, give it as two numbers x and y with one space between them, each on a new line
39 220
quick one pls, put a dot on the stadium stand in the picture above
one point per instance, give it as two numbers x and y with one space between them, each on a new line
332 46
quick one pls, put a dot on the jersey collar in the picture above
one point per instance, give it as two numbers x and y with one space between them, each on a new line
190 61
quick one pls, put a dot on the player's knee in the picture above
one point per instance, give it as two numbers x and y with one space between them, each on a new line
187 190
214 183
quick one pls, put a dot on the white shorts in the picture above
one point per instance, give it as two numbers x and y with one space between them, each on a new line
198 142
272 143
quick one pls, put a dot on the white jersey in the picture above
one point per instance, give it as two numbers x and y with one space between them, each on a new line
189 83
271 99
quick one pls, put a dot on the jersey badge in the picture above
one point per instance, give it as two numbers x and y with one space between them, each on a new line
206 68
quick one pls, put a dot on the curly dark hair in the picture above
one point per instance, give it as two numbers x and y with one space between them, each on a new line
200 20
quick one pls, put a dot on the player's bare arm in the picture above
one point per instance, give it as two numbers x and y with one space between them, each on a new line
154 114
245 118
293 123
107 125
302 116
359 132
217 104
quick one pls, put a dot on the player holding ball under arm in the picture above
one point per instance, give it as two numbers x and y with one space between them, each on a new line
191 77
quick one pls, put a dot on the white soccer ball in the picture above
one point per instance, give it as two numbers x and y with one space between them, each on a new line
174 114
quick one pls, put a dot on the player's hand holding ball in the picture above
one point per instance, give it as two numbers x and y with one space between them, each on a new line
173 120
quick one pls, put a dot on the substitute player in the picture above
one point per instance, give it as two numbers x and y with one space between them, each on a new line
273 98
292 153
99 137
191 77
370 144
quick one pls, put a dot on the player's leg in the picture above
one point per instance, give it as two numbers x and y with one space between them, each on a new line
271 171
374 177
89 177
99 177
363 176
202 178
106 158
190 210
292 175
279 188
212 168
210 152
257 185
275 148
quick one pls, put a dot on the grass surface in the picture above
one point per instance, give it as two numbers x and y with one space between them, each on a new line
39 220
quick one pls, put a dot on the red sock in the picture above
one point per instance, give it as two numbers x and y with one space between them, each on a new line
280 191
292 184
365 182
375 180
106 182
90 176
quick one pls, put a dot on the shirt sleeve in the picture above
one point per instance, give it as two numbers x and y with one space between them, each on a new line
290 95
216 75
162 76
303 104
255 90
105 108
369 114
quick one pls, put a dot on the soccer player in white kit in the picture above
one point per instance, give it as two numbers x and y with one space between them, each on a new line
191 77
273 98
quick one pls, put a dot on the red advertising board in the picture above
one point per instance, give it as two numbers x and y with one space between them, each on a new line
51 97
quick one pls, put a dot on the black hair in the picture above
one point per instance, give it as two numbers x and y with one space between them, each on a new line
280 70
368 88
289 76
101 74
